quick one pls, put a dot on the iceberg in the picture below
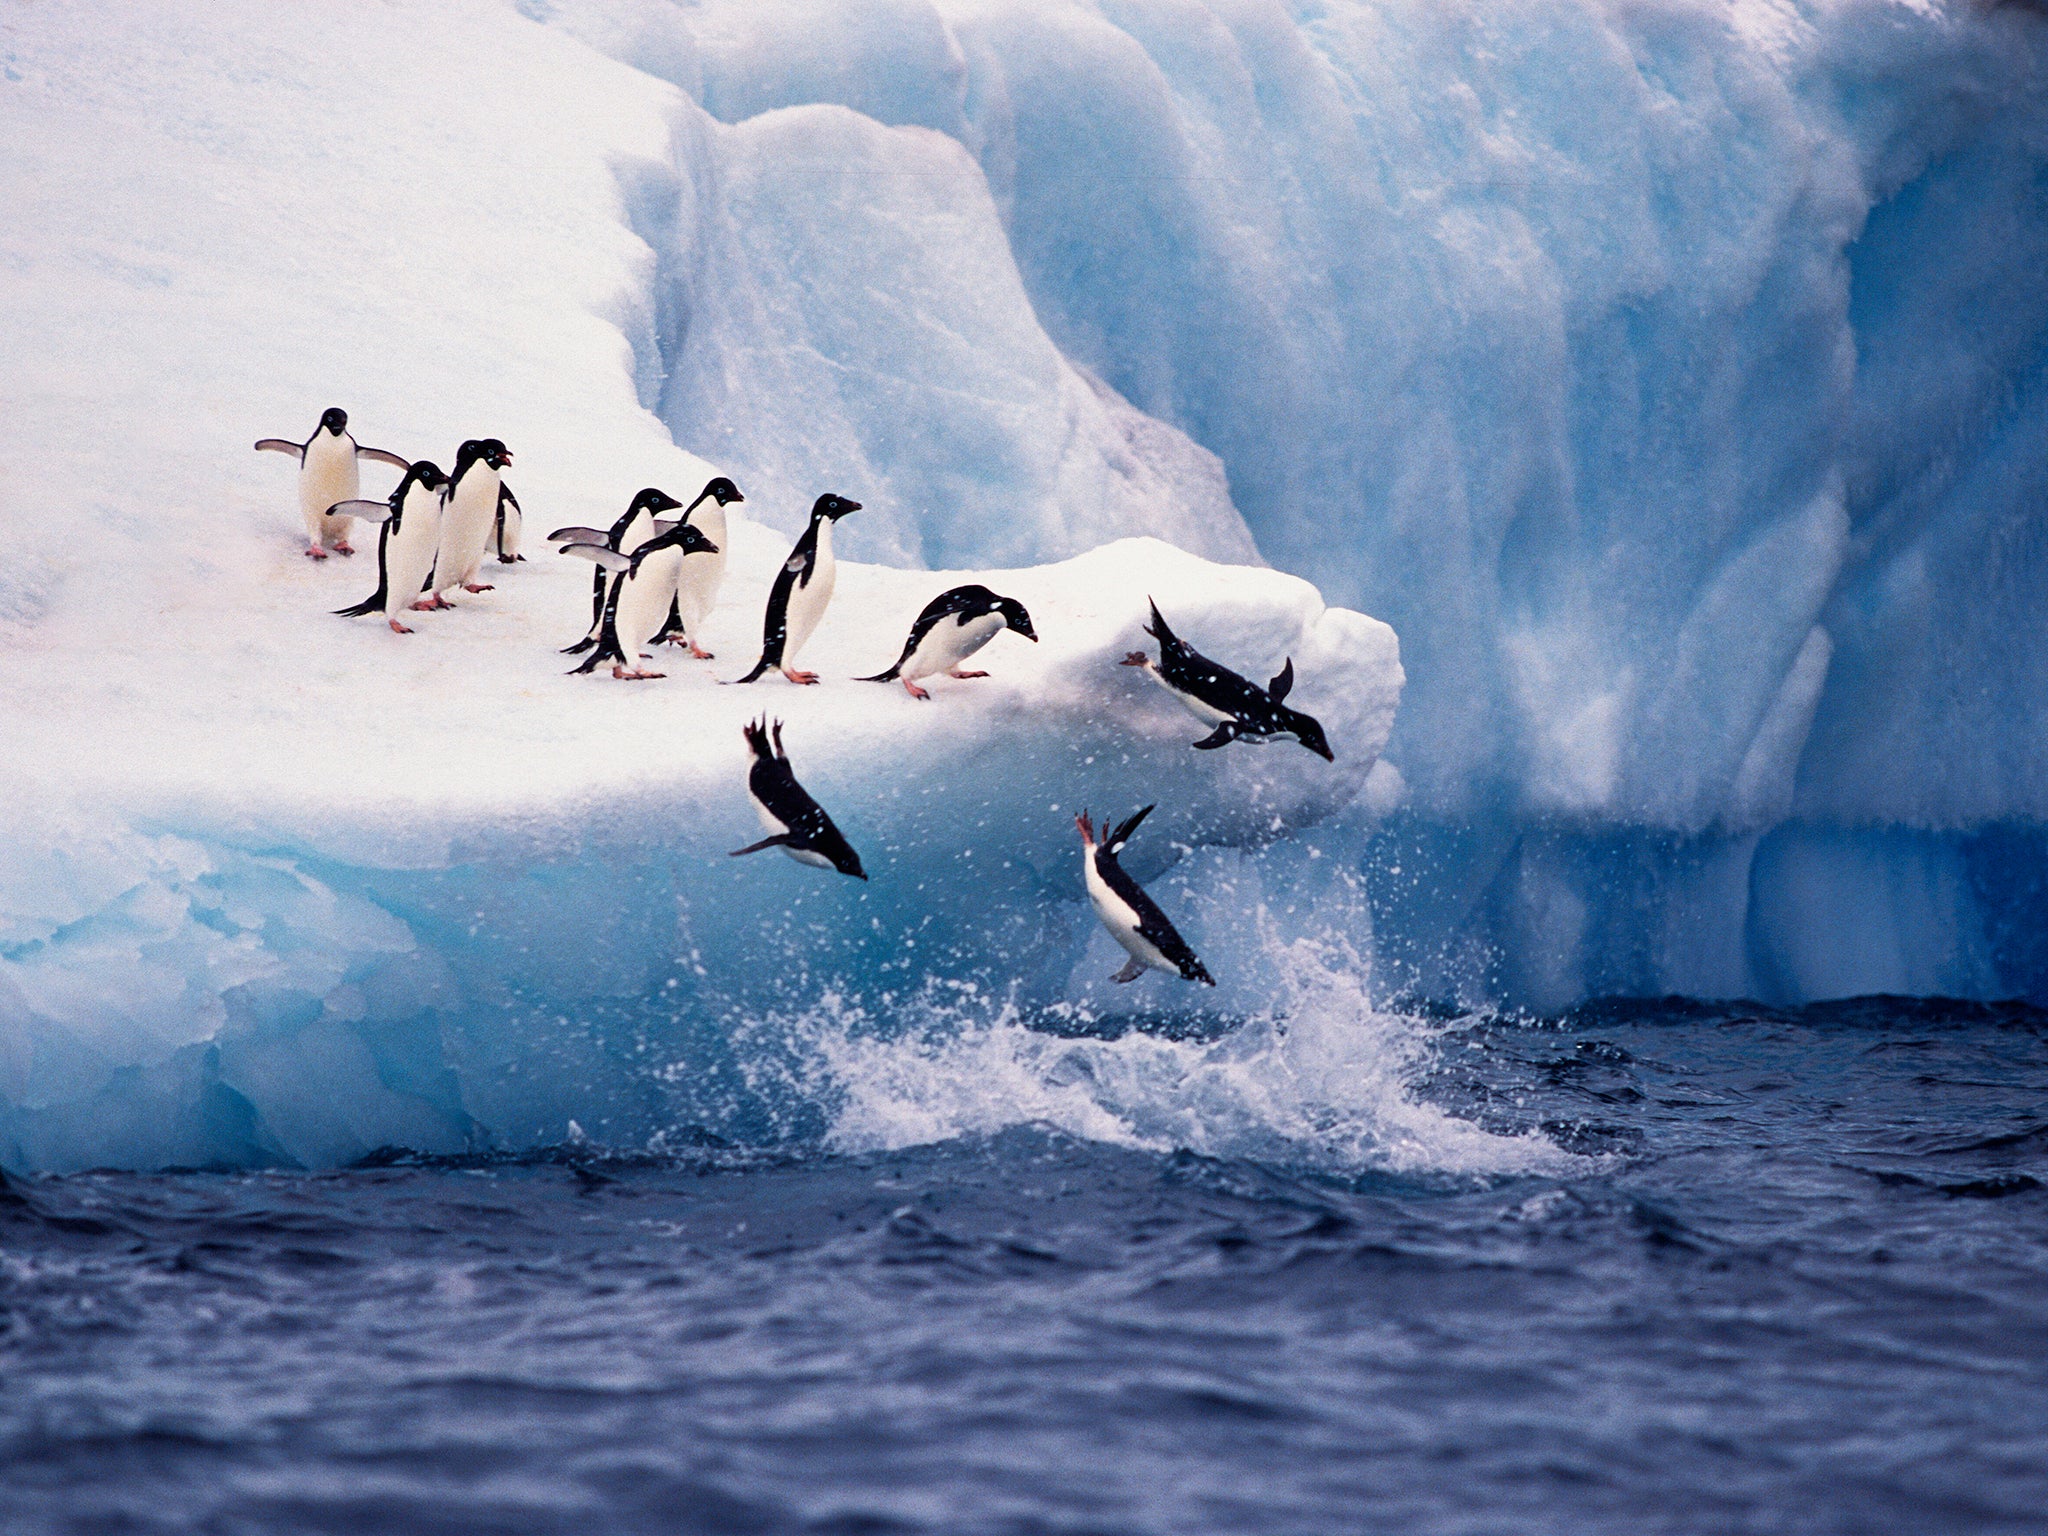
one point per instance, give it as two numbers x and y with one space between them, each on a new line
1668 379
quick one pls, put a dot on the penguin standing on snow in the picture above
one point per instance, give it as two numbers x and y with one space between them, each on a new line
634 528
1238 709
467 518
511 523
796 823
1133 918
328 477
703 575
802 589
953 626
405 544
643 588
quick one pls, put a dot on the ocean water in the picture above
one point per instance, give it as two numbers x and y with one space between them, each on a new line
1723 1269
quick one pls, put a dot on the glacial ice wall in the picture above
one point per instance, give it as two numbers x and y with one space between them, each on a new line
1669 375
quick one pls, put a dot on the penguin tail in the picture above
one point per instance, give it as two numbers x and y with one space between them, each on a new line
889 676
367 605
759 667
767 842
1157 628
580 646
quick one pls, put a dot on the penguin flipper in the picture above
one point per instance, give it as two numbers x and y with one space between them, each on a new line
767 842
280 445
1133 969
368 511
1222 736
610 559
382 457
576 534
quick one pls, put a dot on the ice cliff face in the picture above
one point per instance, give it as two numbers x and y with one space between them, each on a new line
1670 376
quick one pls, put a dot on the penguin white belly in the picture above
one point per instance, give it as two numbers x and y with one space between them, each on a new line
644 602
1121 921
466 525
328 474
703 575
1208 714
409 560
807 603
949 642
775 826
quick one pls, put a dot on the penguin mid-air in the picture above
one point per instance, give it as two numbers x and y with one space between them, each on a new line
406 543
802 589
796 823
1133 918
1238 709
634 528
467 517
643 588
510 525
703 575
328 477
953 626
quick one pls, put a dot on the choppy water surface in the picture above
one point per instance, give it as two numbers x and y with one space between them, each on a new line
1795 1279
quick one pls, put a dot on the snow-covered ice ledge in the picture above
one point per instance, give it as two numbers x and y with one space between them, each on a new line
431 891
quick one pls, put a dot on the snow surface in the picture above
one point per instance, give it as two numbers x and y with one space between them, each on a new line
1668 375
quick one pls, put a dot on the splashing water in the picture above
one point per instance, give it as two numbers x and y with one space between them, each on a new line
1319 1080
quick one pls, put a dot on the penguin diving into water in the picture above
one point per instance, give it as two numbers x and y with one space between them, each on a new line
953 626
468 516
703 575
328 477
406 543
634 528
1133 918
643 588
802 589
796 823
1239 710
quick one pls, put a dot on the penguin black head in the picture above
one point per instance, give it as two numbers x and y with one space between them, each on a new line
1306 730
722 491
334 419
653 500
494 453
427 474
1016 618
834 507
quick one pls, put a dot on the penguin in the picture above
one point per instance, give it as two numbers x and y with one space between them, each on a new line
802 589
405 544
468 514
953 626
796 823
328 476
643 588
1217 696
634 528
511 523
1133 918
703 575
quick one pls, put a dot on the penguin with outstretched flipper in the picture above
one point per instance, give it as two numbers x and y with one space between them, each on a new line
327 478
796 823
406 542
1238 709
1133 918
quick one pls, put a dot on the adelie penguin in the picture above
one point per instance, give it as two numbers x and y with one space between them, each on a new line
796 823
1133 918
703 575
643 588
802 589
953 626
406 543
328 477
635 527
467 518
1239 710
511 525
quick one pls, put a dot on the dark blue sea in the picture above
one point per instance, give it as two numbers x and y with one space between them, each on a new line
1787 1272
